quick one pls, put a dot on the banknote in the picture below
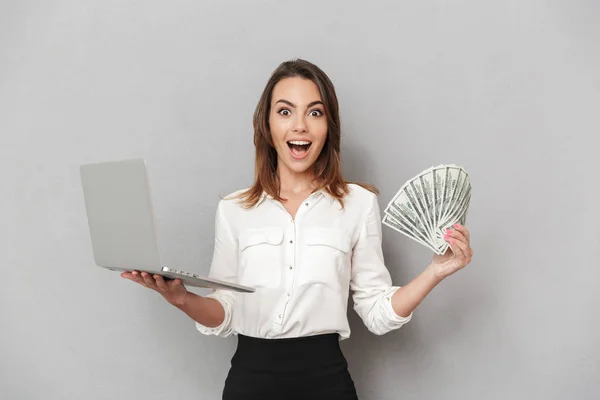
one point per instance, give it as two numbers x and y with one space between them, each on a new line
462 184
403 207
456 217
453 180
405 230
424 185
438 177
429 203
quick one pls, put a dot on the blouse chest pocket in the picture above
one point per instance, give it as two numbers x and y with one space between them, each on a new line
326 258
261 257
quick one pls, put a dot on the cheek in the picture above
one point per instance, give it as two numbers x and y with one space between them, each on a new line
318 127
321 134
277 131
319 149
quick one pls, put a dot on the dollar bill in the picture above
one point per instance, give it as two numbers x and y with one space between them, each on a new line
425 188
456 216
462 183
406 230
439 178
402 208
417 199
429 203
453 176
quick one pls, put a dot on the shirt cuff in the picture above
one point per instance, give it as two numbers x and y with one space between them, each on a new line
221 329
389 312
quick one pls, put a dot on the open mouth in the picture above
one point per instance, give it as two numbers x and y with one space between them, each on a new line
299 148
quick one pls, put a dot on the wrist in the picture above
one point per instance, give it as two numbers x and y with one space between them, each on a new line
433 275
183 302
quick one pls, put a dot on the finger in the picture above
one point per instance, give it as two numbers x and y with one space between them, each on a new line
177 283
455 245
149 280
464 248
460 228
173 284
135 277
462 243
456 234
458 254
160 283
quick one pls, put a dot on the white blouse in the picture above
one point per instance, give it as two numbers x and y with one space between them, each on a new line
302 268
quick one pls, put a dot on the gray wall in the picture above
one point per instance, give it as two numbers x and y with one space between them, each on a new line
510 90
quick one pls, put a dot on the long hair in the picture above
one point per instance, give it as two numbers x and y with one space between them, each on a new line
327 167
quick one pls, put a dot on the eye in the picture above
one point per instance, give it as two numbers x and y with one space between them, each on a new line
284 111
316 113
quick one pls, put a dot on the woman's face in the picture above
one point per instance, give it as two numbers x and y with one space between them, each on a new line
298 123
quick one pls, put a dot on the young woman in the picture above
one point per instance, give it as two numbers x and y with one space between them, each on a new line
305 239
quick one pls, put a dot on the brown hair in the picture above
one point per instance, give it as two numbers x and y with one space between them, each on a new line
327 168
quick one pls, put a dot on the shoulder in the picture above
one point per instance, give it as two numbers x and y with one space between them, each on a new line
232 200
360 196
232 204
234 195
362 207
360 201
229 209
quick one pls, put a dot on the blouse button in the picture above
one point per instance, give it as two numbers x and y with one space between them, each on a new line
306 204
291 241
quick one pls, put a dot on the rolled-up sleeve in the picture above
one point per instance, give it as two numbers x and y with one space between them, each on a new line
371 283
224 266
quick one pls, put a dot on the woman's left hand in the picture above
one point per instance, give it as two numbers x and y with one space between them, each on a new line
457 256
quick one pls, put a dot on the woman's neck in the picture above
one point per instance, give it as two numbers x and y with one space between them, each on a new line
295 182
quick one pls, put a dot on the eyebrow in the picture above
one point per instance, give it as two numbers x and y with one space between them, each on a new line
289 103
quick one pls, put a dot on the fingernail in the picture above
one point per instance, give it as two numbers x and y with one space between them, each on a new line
456 225
448 231
452 241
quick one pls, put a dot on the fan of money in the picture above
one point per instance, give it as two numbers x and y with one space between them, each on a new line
428 204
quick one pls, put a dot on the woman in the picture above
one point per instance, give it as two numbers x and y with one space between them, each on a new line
304 238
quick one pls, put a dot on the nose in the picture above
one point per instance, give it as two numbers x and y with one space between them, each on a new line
299 124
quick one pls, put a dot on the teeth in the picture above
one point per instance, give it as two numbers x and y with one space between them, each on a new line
299 142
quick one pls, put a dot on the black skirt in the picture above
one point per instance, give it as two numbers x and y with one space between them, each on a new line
304 368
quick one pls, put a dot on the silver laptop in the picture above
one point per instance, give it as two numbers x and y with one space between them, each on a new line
121 221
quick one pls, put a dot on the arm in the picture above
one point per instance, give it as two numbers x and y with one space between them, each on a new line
409 296
384 307
212 313
204 310
370 282
458 255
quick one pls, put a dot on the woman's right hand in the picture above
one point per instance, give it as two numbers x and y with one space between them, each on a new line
172 290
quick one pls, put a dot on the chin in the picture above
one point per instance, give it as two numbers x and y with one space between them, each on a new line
298 167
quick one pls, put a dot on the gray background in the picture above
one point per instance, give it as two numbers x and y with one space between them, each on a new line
510 90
